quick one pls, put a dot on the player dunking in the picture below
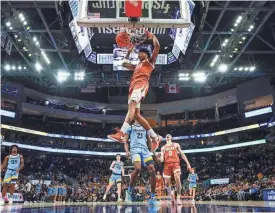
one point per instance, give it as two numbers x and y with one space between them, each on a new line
138 89
140 143
169 154
117 169
14 163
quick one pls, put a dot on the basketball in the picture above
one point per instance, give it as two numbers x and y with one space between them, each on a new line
123 39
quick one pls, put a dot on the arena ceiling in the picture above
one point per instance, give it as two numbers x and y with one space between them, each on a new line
251 45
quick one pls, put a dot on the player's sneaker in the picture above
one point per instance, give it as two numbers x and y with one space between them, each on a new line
2 202
119 200
118 137
193 201
129 196
155 143
10 201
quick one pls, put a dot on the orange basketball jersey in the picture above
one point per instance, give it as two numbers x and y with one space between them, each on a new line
143 71
171 154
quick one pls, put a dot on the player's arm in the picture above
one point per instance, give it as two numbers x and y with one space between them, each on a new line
5 163
126 63
21 164
112 165
122 170
126 146
162 154
183 156
149 142
155 50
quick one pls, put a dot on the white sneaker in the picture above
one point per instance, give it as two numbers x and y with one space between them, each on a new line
10 201
2 202
104 197
193 201
26 202
63 201
119 200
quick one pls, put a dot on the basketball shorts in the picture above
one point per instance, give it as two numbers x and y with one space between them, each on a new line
54 191
60 191
11 176
50 192
170 169
115 178
141 155
192 185
137 92
64 191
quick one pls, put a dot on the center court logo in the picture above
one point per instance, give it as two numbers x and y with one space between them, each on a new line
156 4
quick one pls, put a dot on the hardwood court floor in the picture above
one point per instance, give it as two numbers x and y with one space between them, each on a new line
139 207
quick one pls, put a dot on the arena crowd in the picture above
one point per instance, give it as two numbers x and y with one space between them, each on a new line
250 170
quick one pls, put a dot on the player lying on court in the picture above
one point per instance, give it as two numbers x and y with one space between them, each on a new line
117 168
169 155
14 164
140 143
192 178
138 89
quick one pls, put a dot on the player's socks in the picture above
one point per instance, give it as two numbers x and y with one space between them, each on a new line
125 127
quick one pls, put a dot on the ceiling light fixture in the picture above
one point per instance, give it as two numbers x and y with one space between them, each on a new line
222 68
38 67
7 67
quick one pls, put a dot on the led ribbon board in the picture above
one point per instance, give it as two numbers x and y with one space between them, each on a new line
80 152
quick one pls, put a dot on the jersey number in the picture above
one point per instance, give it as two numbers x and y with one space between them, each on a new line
139 135
170 153
13 161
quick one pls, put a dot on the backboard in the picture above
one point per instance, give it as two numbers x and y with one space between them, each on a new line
155 13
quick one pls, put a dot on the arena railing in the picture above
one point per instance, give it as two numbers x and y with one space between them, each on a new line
80 152
224 132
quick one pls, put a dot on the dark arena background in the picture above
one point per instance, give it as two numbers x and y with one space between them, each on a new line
64 89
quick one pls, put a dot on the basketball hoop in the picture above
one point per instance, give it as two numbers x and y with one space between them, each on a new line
136 36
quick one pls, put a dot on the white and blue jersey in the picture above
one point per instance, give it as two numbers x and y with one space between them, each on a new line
13 164
193 180
117 169
138 145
